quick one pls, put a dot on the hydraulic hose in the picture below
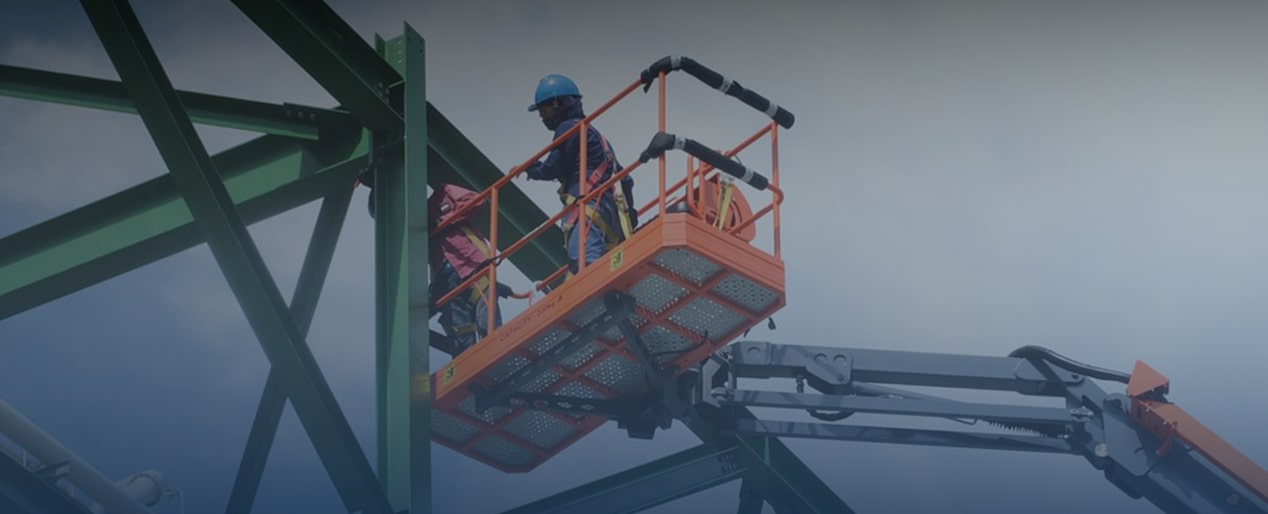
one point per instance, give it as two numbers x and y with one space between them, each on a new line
663 141
716 81
1060 361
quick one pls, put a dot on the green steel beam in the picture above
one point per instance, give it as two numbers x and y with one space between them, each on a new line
148 222
268 415
456 160
452 158
750 499
646 486
774 471
312 276
401 294
314 36
332 53
195 176
284 120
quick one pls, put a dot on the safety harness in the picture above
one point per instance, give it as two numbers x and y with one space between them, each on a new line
481 285
611 238
724 203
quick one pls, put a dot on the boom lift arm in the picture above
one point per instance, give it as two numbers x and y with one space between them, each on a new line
652 360
1146 446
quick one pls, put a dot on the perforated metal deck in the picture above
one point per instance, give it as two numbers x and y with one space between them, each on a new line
695 289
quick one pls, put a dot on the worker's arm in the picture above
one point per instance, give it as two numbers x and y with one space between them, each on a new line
561 161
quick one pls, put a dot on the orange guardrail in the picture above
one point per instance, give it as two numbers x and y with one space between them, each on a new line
667 196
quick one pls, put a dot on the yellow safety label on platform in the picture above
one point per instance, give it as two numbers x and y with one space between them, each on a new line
618 257
448 375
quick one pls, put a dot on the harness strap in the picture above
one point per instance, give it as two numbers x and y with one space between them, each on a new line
609 236
622 206
724 203
592 181
478 241
482 285
462 330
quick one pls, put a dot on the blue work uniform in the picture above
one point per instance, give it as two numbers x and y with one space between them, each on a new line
563 164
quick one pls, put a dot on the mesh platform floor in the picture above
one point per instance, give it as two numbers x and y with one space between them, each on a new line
695 290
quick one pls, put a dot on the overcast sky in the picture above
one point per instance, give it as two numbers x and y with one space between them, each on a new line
963 177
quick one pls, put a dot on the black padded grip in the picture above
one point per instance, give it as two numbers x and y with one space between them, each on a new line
717 81
663 142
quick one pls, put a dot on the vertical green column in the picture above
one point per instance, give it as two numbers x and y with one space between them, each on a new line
404 391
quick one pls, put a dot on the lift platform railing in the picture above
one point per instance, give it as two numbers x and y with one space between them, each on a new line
686 192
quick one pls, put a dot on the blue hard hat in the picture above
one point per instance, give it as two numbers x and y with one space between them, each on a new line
553 86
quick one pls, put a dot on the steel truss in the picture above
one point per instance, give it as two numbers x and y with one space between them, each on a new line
384 124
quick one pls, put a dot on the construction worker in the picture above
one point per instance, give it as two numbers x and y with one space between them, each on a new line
455 253
612 217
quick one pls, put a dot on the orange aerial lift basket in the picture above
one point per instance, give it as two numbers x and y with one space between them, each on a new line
690 280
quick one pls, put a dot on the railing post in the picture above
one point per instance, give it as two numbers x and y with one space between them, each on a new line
582 218
492 290
661 126
691 184
774 172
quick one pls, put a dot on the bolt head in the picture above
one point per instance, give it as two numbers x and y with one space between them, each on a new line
1101 450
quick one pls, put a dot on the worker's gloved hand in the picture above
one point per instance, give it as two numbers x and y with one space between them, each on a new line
532 169
665 64
366 177
505 291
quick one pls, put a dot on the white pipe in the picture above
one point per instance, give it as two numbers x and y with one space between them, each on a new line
145 488
45 448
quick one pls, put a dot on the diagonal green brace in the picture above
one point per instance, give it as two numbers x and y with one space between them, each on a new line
284 120
194 174
649 485
314 36
455 159
451 158
331 52
312 276
774 471
149 222
750 499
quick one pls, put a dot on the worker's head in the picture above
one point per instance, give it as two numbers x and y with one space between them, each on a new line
555 97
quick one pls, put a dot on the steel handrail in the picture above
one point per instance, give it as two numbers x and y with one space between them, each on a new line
551 146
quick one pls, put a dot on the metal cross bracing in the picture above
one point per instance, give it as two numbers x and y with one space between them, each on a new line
305 154
383 123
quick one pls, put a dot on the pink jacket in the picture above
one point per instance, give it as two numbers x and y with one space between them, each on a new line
453 244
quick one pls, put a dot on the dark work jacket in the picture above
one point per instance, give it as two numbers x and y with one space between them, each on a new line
563 163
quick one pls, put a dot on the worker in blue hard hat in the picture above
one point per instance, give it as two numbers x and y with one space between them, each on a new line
612 216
